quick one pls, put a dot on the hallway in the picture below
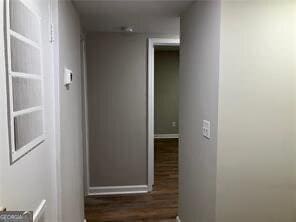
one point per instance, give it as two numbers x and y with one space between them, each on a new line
157 206
88 86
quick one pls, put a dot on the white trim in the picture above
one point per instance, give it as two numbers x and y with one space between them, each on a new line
8 59
24 39
151 43
166 136
57 108
26 76
112 190
39 211
178 219
26 111
17 154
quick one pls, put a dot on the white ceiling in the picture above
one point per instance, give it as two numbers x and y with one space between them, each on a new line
145 16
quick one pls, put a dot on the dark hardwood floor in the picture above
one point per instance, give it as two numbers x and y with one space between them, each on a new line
157 206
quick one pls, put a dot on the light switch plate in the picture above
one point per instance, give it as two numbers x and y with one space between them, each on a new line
206 129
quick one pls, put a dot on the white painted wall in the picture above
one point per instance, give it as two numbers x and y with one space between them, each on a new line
117 81
70 115
294 111
54 170
199 73
166 82
256 151
117 85
256 147
33 178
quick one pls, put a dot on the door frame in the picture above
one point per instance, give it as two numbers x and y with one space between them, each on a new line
152 42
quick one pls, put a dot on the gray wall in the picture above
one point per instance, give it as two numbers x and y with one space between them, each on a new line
256 151
199 73
166 91
117 92
71 145
31 179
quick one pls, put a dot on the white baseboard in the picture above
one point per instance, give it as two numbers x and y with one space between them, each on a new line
178 219
166 136
111 190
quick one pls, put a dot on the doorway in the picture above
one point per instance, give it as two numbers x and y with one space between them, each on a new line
154 44
166 122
